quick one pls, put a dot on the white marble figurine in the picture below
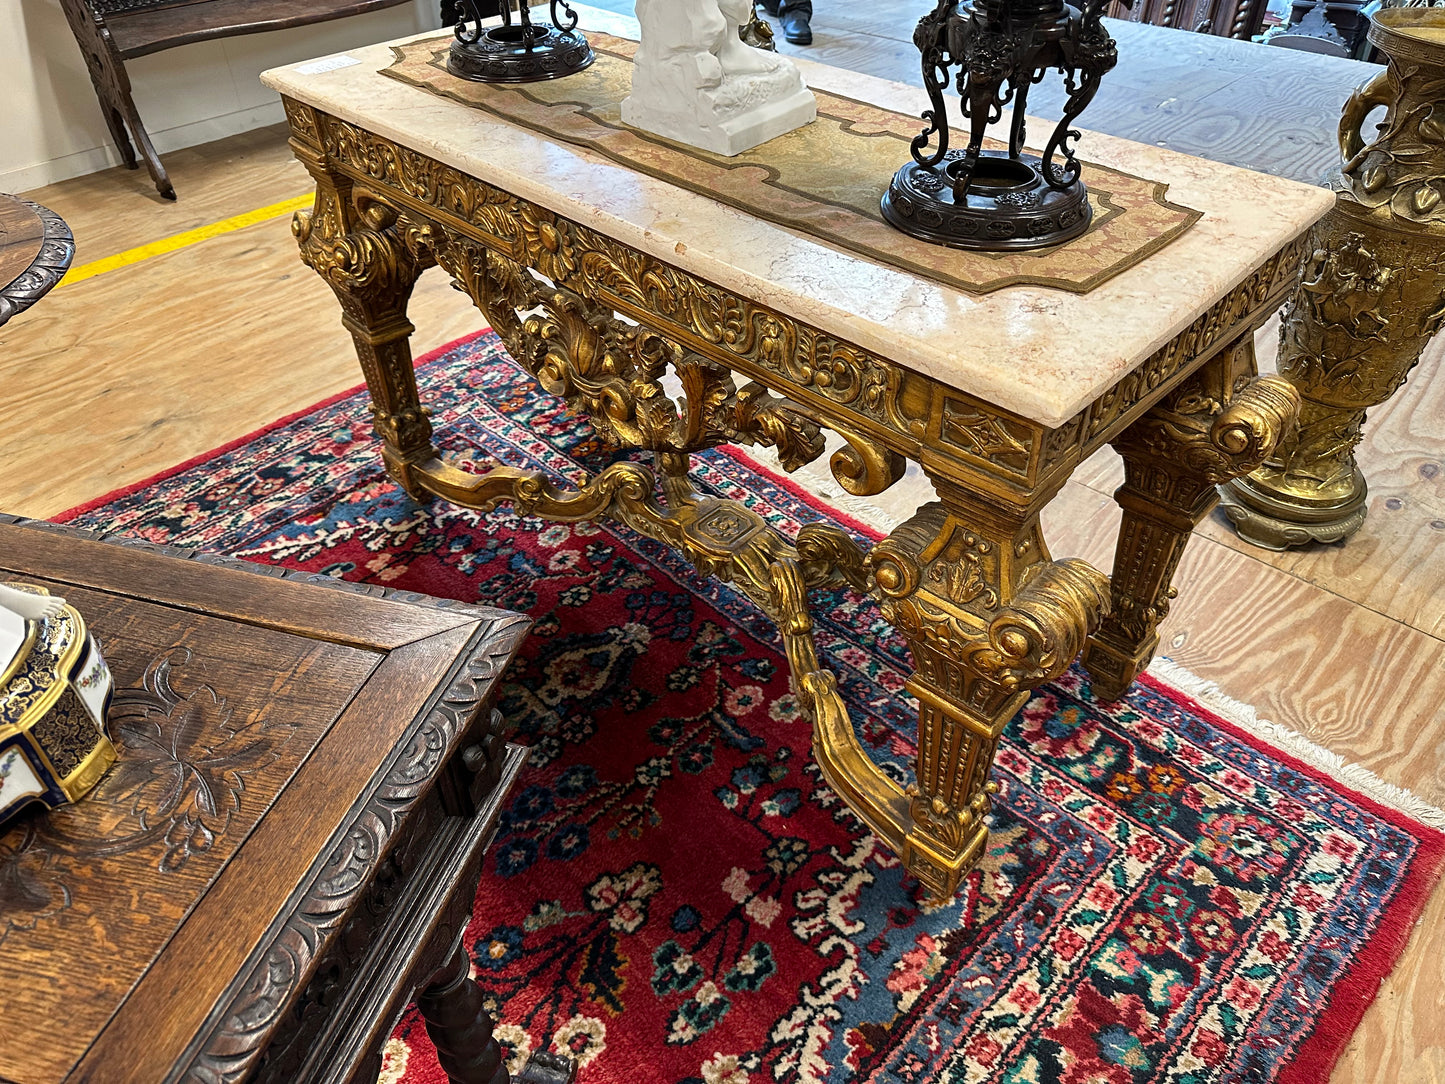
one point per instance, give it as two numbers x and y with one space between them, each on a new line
29 606
697 83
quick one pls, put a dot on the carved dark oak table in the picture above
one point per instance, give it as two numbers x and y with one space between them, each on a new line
35 252
289 844
599 278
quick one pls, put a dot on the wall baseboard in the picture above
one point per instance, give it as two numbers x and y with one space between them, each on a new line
26 178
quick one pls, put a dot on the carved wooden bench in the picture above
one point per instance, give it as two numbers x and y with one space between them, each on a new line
110 32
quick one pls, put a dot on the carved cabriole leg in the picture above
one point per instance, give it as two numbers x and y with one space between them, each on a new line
989 617
358 247
1218 425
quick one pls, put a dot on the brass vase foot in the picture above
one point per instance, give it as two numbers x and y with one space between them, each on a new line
1274 520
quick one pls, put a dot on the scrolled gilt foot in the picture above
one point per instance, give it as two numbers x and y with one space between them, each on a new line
988 619
1173 457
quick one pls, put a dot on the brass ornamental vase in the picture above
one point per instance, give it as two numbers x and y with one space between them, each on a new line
1371 295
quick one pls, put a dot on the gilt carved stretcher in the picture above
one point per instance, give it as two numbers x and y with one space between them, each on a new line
600 281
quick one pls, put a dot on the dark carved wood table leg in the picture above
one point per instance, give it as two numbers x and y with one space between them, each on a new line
462 1032
1217 425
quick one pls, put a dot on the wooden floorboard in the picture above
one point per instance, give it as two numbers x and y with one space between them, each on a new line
119 209
123 375
101 397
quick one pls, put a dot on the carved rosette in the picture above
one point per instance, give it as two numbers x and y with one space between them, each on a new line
1371 296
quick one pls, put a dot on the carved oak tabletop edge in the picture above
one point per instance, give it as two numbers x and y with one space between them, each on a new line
413 616
453 747
239 1027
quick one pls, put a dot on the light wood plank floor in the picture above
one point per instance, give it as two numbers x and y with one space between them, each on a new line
117 377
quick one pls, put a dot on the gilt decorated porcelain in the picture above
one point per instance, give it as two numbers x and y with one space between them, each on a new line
55 689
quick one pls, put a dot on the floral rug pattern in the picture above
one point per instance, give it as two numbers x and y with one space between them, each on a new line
674 895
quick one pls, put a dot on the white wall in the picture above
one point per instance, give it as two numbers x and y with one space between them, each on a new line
51 126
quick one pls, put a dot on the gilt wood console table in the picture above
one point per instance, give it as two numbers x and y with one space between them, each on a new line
600 277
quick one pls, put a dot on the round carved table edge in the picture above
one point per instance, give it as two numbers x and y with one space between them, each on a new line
57 249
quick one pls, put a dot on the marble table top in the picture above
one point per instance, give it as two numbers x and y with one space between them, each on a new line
1042 353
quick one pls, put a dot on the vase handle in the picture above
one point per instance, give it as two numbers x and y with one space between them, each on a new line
1357 108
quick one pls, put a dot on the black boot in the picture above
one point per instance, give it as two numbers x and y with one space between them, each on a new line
796 28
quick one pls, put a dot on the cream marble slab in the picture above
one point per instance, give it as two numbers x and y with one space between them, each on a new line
1042 353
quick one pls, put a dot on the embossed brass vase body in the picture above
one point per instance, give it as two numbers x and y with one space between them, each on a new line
521 52
1371 296
988 200
55 689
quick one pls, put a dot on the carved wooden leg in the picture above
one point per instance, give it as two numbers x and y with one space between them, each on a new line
371 265
989 616
459 1026
1218 425
159 177
462 1032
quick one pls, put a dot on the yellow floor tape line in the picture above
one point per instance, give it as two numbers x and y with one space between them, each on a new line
182 240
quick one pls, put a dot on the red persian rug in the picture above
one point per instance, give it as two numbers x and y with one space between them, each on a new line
675 896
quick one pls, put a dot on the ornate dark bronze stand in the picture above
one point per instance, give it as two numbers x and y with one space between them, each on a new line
984 199
520 52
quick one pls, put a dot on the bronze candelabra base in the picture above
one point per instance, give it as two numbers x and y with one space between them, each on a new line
521 52
1371 296
1009 205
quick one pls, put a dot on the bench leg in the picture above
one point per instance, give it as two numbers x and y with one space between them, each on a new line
112 87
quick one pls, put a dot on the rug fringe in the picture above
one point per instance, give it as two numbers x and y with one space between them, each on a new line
1355 776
